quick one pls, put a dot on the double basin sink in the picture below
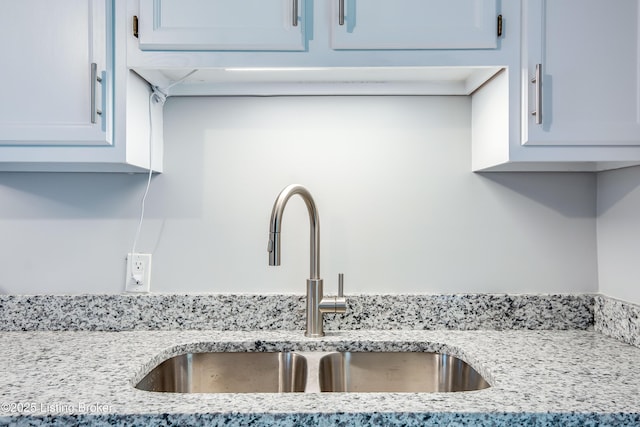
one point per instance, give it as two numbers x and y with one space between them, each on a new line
278 372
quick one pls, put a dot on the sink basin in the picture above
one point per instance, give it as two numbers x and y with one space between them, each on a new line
397 372
228 373
312 372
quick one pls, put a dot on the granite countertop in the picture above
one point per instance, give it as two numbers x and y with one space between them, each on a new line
543 377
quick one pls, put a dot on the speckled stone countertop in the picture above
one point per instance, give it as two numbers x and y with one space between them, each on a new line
248 312
543 377
550 359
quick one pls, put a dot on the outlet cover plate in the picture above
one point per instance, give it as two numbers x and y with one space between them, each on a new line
138 278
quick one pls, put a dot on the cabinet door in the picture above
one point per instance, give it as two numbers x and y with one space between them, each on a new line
221 25
50 90
588 92
414 24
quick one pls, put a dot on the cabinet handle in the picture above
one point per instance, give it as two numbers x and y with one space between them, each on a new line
295 13
537 80
95 79
340 12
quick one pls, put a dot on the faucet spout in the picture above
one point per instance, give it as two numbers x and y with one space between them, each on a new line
316 303
276 225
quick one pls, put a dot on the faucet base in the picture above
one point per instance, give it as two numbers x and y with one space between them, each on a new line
314 315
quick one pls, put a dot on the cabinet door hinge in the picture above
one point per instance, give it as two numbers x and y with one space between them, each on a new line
499 25
135 26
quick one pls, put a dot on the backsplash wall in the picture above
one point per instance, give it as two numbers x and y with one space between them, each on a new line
400 211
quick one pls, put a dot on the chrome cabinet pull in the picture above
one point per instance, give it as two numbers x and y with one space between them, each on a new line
537 80
94 80
295 13
341 12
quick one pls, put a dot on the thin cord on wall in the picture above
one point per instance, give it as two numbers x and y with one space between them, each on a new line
158 96
152 97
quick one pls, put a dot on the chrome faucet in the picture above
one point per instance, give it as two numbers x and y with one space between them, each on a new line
316 303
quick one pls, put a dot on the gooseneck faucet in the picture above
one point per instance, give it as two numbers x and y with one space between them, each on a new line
317 304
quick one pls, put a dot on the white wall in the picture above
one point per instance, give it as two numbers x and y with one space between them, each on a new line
400 210
619 233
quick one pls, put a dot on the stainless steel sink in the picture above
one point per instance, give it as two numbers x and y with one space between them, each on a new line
228 373
397 372
312 372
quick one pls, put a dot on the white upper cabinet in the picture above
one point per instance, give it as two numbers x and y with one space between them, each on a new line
56 87
239 47
588 91
572 101
279 25
221 25
68 101
414 24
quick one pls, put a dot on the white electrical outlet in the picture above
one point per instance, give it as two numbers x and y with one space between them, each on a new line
138 277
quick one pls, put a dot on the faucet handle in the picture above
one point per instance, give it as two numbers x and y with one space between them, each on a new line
340 301
337 304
